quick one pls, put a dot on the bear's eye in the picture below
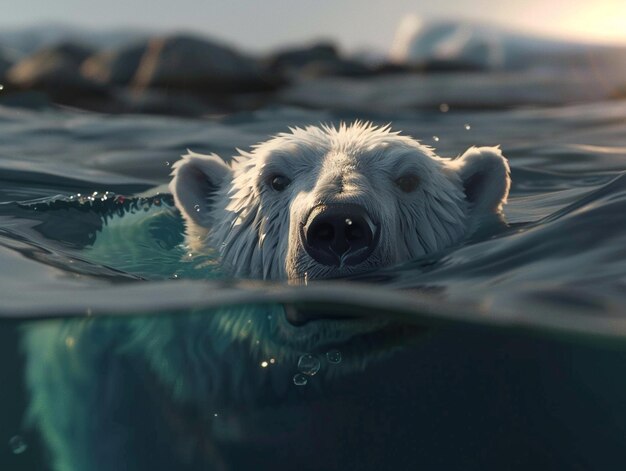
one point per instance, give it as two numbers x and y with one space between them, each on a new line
408 183
279 182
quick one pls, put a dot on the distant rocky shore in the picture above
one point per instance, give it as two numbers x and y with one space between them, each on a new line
177 74
191 75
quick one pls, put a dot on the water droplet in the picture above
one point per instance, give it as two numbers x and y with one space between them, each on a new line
1 87
444 107
306 278
189 254
349 222
17 445
333 356
264 364
215 415
436 138
175 275
300 380
467 126
272 360
308 364
197 208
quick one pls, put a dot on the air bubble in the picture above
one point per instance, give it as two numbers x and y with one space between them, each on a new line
467 126
436 138
167 163
444 107
1 87
18 445
264 364
300 380
308 364
348 222
197 208
333 356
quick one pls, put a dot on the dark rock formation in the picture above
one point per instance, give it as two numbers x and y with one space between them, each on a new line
5 64
296 58
195 64
54 70
115 67
318 60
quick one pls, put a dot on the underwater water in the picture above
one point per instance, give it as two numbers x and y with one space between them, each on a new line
509 351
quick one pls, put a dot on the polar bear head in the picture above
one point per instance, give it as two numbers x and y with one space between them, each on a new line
322 202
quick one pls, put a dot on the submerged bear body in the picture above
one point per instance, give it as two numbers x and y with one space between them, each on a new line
319 202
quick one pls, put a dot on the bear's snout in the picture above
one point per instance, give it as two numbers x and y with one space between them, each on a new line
339 234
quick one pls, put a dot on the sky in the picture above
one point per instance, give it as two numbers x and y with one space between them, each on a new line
260 25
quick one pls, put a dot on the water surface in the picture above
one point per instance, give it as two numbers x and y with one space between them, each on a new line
515 350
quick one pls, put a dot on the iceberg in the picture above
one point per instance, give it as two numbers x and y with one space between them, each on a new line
475 45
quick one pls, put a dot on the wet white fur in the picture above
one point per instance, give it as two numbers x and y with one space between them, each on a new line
231 207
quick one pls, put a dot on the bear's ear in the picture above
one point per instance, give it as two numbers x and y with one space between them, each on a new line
484 173
196 180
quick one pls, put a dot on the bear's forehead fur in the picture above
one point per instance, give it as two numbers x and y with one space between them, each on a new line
339 152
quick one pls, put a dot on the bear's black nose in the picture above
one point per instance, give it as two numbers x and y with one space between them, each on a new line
339 234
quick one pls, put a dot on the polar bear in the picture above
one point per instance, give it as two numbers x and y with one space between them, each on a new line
187 391
325 202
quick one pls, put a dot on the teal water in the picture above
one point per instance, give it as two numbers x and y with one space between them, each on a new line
503 353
